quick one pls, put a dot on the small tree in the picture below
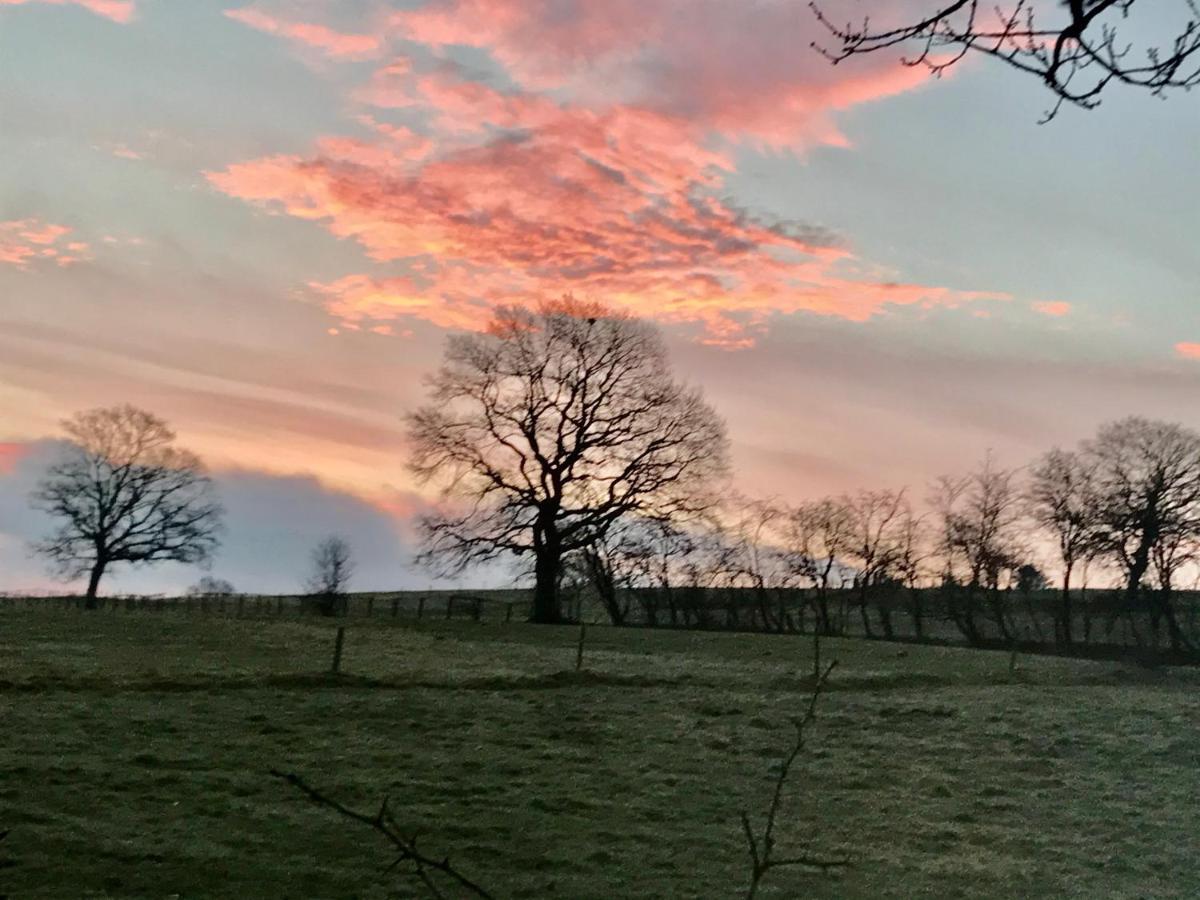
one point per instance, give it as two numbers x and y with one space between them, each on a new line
212 587
875 544
123 493
980 528
1062 502
332 568
819 538
909 564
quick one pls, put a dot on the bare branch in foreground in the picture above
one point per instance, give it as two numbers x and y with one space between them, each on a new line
5 864
762 847
423 867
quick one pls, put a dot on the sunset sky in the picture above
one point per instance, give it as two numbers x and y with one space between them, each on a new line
260 221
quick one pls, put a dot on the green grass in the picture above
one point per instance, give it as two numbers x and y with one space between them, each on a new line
136 748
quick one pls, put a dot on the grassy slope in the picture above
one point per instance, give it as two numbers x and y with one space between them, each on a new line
135 747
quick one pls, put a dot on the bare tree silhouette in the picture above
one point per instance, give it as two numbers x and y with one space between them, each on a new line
1147 482
1062 502
332 569
549 428
124 494
1076 47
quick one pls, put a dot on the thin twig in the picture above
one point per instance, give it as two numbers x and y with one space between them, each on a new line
761 848
385 824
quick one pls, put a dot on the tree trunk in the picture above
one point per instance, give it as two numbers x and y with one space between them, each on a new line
1166 610
546 608
917 612
884 609
94 583
1066 607
862 609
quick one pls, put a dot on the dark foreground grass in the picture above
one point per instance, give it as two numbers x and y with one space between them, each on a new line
136 749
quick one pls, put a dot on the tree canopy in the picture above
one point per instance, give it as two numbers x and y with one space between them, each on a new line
123 493
550 427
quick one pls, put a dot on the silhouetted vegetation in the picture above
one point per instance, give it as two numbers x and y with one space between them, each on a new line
332 568
122 493
1077 48
549 429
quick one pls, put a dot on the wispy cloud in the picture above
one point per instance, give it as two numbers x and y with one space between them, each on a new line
117 10
1054 308
330 42
1188 350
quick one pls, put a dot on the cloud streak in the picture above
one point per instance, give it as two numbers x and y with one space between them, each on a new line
331 43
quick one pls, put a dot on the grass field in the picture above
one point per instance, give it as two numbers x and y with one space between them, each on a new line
136 748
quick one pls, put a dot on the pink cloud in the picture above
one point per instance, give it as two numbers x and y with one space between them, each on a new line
602 172
10 454
117 10
335 44
745 70
1053 308
26 241
1188 350
621 204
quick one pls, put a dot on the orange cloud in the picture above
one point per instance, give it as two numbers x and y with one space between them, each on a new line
26 241
117 10
1188 350
332 43
1053 308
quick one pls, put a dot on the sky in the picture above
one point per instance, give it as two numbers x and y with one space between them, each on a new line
261 220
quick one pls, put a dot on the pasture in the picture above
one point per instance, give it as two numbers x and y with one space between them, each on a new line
136 747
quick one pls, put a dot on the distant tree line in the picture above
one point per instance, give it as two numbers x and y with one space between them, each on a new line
1122 509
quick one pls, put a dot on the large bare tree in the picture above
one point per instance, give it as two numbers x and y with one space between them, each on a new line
1077 48
1147 482
123 493
550 427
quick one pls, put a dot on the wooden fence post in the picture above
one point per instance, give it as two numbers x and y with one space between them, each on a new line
449 607
337 649
371 606
508 613
420 606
